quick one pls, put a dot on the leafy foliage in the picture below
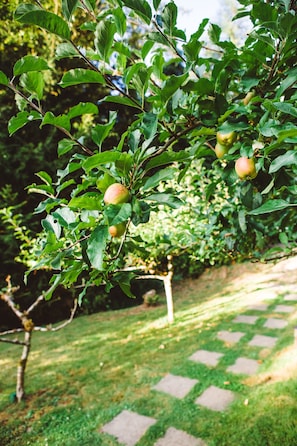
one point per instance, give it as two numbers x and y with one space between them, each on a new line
179 96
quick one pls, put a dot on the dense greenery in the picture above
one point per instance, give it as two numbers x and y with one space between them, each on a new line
167 97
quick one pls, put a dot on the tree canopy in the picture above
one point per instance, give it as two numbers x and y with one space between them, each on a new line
157 113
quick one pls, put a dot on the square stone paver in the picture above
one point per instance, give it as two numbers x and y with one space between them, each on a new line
258 307
275 323
175 437
128 427
263 341
244 366
244 319
291 297
284 309
263 294
178 386
206 357
215 398
230 336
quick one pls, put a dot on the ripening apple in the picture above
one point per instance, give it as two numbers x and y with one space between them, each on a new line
226 139
117 230
116 193
245 168
220 150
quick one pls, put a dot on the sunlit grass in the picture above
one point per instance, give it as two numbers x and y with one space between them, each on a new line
80 378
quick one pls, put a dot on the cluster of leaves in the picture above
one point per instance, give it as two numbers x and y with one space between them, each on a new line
180 96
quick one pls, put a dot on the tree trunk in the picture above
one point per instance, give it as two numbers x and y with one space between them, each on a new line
20 385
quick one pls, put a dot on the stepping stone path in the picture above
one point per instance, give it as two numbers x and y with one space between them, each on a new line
263 341
206 357
275 323
284 309
215 398
243 319
129 427
259 307
229 336
174 437
177 386
244 366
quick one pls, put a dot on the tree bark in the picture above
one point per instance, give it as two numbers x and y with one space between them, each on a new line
20 385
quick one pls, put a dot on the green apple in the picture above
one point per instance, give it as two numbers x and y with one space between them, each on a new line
226 138
116 193
245 168
117 230
220 150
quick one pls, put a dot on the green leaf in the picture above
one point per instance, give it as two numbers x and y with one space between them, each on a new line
120 20
83 108
122 100
33 82
3 79
167 158
90 201
104 37
141 8
61 121
32 15
21 119
64 146
65 217
100 158
29 63
285 107
118 213
287 82
141 211
158 177
171 85
50 224
45 177
149 125
101 131
287 159
169 16
78 76
165 199
66 49
156 3
96 246
68 8
271 206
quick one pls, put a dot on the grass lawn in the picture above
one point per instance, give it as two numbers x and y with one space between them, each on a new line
80 378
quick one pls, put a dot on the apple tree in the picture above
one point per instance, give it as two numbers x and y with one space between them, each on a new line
217 105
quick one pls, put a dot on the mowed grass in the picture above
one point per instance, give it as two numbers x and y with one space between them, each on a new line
80 378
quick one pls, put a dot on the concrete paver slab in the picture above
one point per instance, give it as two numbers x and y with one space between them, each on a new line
284 309
128 427
275 323
258 307
215 398
230 336
206 357
175 437
263 294
263 341
245 319
291 297
178 386
244 366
